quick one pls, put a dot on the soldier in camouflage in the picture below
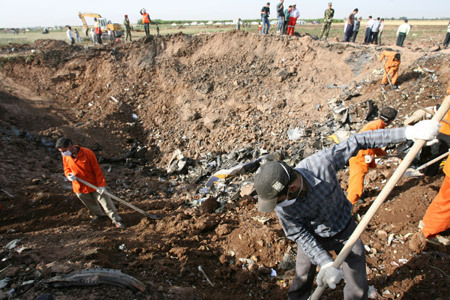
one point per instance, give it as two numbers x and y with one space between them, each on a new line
327 19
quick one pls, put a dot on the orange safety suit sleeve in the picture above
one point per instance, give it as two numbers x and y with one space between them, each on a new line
445 127
86 167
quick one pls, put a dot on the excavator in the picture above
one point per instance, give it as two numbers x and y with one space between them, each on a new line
105 24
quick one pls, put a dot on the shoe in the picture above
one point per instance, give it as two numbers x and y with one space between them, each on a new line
118 224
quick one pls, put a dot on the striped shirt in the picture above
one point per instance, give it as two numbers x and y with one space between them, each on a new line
325 210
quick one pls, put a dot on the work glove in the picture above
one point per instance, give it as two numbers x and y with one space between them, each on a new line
424 130
71 177
329 275
101 190
368 159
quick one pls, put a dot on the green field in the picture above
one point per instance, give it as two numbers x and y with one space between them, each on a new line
422 30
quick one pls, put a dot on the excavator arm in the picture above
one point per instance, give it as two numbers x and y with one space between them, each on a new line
82 17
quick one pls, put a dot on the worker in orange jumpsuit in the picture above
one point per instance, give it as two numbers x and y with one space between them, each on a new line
146 21
437 216
391 66
360 164
81 163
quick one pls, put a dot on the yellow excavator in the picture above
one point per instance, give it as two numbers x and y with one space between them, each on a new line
105 24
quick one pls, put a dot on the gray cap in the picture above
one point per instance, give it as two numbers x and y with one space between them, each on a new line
329 3
270 180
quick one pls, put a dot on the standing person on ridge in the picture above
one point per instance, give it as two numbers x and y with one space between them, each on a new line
146 21
447 36
350 23
127 25
265 12
98 31
280 15
402 32
293 16
380 31
327 20
287 13
368 33
70 35
365 159
374 30
356 29
81 163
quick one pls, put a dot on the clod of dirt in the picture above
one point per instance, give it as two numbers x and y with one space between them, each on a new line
417 242
209 205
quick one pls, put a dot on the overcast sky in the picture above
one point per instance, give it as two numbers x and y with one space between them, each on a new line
26 13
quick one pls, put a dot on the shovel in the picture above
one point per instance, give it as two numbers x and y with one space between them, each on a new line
154 217
410 172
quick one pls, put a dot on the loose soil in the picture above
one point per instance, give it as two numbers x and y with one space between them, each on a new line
207 95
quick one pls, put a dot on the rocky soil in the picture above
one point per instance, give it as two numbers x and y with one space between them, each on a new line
220 99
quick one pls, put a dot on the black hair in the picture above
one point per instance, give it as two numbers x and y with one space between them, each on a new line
63 143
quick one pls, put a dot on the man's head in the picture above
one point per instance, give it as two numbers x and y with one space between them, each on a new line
95 19
378 19
330 4
382 20
290 6
406 20
272 183
64 144
126 16
360 19
355 11
268 4
370 17
294 5
388 114
397 56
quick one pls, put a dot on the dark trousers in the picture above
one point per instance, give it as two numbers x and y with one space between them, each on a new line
99 38
348 33
354 35
127 35
447 40
354 268
367 36
374 38
285 26
147 29
401 38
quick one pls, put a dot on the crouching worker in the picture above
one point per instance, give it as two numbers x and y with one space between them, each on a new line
365 159
81 163
314 212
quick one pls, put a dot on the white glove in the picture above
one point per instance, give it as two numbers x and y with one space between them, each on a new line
71 177
101 190
424 130
330 275
368 159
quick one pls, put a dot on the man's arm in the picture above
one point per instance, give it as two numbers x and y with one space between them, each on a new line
339 154
305 240
95 167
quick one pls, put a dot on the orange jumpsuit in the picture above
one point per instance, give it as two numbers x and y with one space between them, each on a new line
437 216
390 67
358 166
86 167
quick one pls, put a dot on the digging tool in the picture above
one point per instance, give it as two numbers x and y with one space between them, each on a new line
431 113
381 197
415 172
154 217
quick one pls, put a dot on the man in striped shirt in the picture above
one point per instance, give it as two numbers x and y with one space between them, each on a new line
315 213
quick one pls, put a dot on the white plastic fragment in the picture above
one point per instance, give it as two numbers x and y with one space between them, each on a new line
273 273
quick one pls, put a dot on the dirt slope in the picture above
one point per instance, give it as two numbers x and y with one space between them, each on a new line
207 95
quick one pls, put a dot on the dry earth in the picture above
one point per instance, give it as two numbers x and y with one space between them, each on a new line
209 96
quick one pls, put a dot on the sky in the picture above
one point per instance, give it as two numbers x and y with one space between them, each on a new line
28 13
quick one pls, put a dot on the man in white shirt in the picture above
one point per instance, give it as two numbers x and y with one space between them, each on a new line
402 32
368 32
293 16
70 36
380 31
374 30
447 37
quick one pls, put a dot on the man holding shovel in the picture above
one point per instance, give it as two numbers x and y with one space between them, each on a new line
314 212
81 163
390 67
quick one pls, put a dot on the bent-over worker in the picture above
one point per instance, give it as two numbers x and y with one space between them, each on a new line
391 66
80 162
365 159
314 212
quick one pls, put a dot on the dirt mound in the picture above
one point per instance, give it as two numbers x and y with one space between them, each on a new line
222 99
